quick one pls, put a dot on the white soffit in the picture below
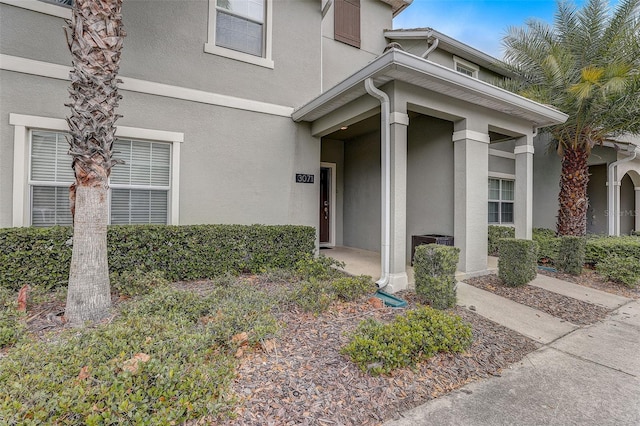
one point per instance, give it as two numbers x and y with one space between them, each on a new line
402 66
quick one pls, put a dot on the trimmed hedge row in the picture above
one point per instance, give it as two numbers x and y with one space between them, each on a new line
601 248
41 256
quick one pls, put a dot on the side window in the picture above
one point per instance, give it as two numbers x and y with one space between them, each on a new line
501 197
241 30
347 22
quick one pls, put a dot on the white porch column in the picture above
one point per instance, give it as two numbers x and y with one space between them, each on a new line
616 207
398 280
636 226
471 177
523 209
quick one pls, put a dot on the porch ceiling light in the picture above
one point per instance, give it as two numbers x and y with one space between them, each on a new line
344 127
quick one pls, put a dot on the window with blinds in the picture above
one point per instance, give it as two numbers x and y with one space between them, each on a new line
139 188
240 25
501 197
50 177
347 22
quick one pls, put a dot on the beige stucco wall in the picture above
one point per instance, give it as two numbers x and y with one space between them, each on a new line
340 60
165 43
237 166
547 168
597 190
229 173
362 192
430 184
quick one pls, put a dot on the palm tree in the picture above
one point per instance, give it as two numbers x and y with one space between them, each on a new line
95 40
587 64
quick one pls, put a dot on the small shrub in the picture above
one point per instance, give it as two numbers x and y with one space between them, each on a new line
435 268
11 325
517 264
623 270
136 283
379 348
352 288
495 234
601 248
314 296
571 254
320 267
548 244
635 233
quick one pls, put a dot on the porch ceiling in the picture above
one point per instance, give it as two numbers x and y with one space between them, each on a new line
402 66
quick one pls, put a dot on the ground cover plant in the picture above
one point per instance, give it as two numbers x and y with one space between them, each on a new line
172 352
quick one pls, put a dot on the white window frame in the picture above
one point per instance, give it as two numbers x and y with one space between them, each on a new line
502 177
23 124
467 65
264 61
59 10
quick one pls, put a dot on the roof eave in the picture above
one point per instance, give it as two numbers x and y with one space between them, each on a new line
397 6
540 115
453 46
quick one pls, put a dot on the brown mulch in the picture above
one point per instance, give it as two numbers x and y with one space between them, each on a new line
590 278
557 305
305 380
301 378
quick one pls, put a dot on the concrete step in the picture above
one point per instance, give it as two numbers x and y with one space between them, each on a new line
530 322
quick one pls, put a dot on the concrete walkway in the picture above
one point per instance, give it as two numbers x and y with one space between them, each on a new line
587 376
590 377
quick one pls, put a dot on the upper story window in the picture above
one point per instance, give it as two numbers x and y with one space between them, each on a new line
501 197
465 67
241 30
347 22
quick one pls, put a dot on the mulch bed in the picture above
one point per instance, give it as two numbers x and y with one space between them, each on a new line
589 278
305 380
557 305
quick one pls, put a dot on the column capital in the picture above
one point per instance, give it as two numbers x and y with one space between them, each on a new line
399 118
524 149
470 134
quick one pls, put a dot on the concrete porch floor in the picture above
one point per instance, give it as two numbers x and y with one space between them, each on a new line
363 262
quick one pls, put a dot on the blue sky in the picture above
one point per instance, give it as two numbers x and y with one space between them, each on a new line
478 23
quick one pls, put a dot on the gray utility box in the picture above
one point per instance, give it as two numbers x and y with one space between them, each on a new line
416 240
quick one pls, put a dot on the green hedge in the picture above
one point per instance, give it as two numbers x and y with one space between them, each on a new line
41 256
435 269
548 244
601 248
623 270
496 233
571 254
517 264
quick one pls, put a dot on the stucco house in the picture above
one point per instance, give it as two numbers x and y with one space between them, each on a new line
279 112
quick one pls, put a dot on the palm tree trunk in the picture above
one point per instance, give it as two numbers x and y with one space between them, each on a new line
572 199
95 40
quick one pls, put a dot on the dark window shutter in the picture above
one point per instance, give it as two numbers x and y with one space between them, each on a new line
347 22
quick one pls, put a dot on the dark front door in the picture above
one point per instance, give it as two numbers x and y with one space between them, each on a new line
325 208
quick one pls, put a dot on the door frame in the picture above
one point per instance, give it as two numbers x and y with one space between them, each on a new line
332 205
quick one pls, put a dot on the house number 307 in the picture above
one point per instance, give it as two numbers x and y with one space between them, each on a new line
304 178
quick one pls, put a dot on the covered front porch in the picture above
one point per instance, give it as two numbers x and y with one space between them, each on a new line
405 144
364 262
